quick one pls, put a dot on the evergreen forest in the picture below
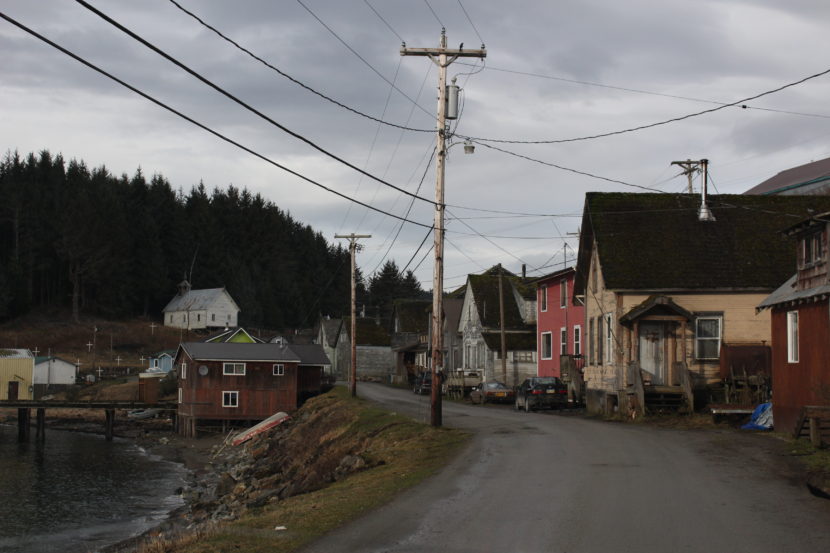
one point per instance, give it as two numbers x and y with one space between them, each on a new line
86 241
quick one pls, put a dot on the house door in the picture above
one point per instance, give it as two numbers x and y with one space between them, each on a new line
652 351
13 387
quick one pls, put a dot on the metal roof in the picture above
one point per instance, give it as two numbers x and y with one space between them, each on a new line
311 354
196 300
787 293
810 173
15 353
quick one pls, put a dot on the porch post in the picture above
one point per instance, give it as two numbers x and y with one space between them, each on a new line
683 339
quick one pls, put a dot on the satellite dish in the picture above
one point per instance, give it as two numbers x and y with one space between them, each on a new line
203 370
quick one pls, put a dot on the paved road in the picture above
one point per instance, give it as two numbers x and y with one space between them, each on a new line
540 482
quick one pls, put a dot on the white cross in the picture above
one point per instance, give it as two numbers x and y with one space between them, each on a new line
89 346
153 328
78 362
118 360
100 370
141 359
35 351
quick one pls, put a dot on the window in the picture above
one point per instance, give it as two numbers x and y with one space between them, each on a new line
543 297
577 340
609 340
171 318
198 317
279 369
154 362
591 341
184 318
233 369
547 345
600 341
230 399
792 336
181 395
563 341
563 293
707 337
213 317
812 249
523 356
184 371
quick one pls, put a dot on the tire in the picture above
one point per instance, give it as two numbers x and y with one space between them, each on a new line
527 406
516 405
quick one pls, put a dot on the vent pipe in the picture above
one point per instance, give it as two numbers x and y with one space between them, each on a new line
704 213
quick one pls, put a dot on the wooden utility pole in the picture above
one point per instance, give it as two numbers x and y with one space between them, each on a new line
503 338
353 238
442 57
689 169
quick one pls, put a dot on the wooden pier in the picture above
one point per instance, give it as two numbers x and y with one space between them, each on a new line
24 413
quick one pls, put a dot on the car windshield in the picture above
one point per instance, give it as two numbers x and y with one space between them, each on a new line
495 386
546 381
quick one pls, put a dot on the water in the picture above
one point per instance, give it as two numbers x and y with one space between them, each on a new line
77 492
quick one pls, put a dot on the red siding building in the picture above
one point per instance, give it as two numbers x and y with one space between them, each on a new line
243 382
559 321
801 327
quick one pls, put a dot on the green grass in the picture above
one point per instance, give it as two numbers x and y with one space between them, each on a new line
402 452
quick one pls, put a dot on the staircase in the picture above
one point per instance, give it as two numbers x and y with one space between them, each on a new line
814 422
664 399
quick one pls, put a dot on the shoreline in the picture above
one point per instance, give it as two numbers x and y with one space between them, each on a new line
154 437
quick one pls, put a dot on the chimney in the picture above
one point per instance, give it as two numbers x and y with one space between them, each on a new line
704 214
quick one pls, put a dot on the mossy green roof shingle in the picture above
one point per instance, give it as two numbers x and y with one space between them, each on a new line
656 242
412 315
485 290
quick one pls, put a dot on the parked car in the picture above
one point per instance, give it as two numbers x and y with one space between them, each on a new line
492 392
423 383
541 391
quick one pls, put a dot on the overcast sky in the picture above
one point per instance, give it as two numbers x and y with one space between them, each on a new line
637 62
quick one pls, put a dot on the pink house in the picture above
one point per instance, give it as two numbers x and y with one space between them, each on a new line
560 320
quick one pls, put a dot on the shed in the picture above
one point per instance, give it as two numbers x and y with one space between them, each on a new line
17 367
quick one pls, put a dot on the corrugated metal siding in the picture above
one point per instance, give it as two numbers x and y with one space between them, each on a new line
808 381
19 370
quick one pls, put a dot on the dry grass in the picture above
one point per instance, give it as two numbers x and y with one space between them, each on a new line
404 453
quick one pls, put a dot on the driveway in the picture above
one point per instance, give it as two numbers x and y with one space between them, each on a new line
542 482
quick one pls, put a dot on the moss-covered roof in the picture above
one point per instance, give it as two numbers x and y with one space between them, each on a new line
412 315
370 333
656 242
485 290
521 341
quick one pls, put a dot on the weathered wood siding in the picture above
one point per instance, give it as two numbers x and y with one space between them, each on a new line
261 393
808 381
740 323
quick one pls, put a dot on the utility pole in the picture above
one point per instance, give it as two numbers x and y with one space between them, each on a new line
689 169
353 238
503 338
442 57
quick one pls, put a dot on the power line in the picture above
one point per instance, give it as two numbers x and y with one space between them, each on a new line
659 123
242 103
473 25
578 172
193 121
648 92
371 7
292 79
361 58
421 245
520 260
434 14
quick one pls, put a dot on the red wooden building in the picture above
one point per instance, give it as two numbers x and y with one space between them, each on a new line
224 382
559 321
801 327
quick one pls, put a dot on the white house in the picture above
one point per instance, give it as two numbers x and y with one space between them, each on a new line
201 309
480 325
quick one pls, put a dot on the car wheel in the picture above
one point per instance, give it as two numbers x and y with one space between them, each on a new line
516 405
527 406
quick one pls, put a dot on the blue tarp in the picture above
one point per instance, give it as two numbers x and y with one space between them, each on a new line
761 418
